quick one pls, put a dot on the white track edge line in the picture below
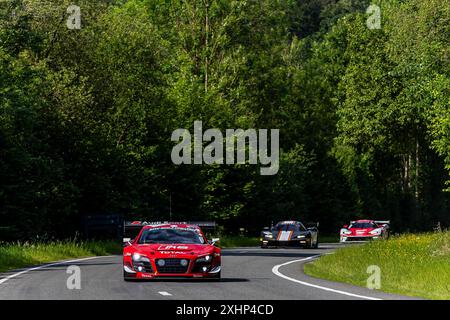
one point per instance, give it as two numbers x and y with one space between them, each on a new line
3 280
278 273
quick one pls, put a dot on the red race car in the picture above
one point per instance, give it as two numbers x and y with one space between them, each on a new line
171 250
362 230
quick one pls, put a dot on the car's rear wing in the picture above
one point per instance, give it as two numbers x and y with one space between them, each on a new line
132 228
384 223
312 225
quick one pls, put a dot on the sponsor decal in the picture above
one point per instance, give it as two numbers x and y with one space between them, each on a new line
147 275
172 247
173 253
288 222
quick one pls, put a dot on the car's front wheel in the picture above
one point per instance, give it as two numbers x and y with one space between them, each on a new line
128 276
316 244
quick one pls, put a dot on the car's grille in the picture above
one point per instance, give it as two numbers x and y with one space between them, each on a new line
146 266
285 243
171 266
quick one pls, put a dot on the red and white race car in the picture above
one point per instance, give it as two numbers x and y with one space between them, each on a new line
171 250
362 230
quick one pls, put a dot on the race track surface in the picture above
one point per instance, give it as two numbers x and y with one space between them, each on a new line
247 273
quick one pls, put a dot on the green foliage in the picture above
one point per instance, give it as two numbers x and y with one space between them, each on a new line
20 255
87 115
237 241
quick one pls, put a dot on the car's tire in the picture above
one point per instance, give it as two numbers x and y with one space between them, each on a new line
127 277
214 278
316 245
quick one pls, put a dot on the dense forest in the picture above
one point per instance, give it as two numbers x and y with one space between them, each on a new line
87 112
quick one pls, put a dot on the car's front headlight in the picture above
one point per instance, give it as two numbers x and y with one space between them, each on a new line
136 256
205 259
268 235
301 237
346 232
139 257
375 232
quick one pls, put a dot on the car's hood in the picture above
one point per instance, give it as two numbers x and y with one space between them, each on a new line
285 235
361 231
174 248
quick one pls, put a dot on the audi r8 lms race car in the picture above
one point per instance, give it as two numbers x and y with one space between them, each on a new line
290 233
363 230
171 250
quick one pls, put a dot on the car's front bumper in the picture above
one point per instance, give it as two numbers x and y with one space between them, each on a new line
144 275
289 243
131 272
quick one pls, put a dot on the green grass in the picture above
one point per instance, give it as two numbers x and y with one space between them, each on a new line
19 255
238 241
413 264
327 238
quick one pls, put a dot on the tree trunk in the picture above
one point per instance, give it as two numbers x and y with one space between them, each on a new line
206 44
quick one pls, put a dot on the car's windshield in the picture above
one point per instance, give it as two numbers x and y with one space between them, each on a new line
289 227
170 235
365 225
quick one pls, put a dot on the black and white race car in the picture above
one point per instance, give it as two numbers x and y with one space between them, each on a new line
290 233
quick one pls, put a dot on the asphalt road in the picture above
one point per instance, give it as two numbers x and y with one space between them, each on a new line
247 273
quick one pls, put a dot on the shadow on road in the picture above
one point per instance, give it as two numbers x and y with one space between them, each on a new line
267 253
63 266
189 280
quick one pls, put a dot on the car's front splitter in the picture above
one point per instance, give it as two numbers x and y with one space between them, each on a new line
213 273
290 243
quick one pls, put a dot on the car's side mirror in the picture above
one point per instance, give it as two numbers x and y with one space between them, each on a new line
214 240
345 226
127 242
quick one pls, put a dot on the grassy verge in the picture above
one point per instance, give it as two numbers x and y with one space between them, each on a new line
19 255
238 241
413 264
327 238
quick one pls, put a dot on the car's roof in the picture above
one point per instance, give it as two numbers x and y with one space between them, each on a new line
364 221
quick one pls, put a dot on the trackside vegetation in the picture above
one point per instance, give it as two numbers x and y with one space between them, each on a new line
24 254
411 264
87 115
19 255
238 241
